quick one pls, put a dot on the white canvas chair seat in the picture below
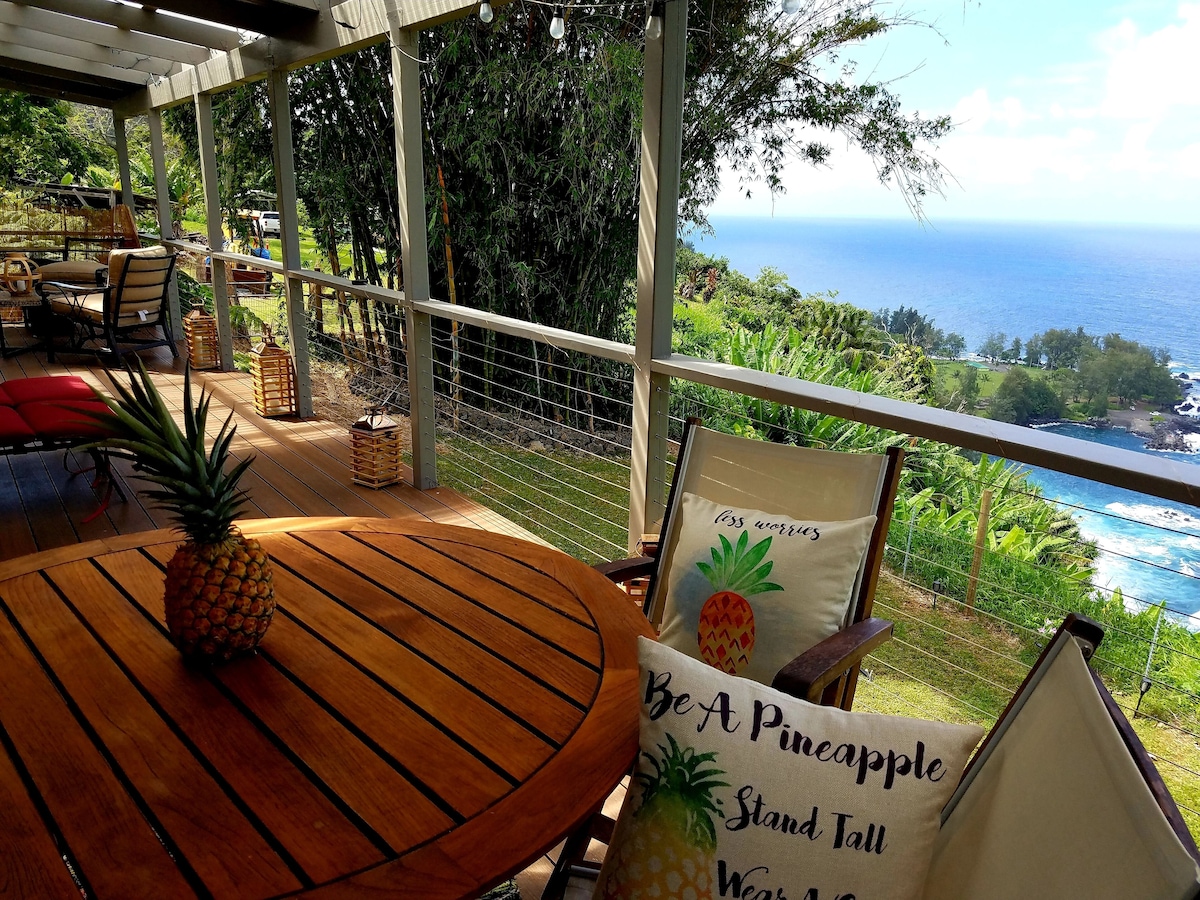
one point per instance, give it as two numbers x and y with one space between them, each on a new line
800 482
91 307
1061 802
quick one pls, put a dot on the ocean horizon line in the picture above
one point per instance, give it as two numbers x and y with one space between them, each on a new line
930 223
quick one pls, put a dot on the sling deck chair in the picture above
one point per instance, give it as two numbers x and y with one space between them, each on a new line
799 482
803 483
1062 800
135 297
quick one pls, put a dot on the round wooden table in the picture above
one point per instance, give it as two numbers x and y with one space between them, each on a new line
431 709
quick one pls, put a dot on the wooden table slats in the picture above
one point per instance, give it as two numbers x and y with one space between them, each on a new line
251 768
432 708
103 696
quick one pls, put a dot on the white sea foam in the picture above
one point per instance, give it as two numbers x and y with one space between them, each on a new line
1161 516
1131 547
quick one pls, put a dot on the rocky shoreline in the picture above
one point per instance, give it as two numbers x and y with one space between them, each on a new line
1164 431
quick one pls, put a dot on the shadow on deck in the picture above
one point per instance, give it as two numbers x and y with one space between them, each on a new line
302 468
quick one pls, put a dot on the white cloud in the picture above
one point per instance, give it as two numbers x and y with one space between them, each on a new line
1113 136
1150 76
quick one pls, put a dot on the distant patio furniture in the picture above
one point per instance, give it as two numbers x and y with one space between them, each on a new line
135 298
23 305
432 708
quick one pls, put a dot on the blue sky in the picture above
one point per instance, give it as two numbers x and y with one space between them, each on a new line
1065 110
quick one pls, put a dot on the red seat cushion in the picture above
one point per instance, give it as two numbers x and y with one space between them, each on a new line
5 400
13 429
56 419
48 387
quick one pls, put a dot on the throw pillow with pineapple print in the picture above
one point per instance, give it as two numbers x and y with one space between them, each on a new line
742 791
748 591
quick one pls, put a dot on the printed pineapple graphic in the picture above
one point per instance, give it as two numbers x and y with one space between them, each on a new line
726 630
219 596
671 851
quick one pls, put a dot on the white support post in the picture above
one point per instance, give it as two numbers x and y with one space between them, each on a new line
216 234
166 226
122 143
658 220
289 235
406 99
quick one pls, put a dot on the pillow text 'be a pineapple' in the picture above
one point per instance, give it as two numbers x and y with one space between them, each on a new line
749 591
742 791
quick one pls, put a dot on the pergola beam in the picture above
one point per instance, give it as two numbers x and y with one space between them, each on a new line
65 68
146 21
106 35
92 52
264 17
55 88
348 26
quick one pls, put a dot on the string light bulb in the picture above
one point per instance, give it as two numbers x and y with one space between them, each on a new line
654 22
558 27
791 6
485 13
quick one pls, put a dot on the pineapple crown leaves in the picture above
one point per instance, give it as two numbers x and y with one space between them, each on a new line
678 776
203 498
737 568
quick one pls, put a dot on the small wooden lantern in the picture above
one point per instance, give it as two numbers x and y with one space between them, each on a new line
18 275
200 330
375 449
273 376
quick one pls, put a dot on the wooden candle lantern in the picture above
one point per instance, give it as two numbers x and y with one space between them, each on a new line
273 376
203 346
375 450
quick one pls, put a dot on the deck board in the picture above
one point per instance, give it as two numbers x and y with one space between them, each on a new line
302 468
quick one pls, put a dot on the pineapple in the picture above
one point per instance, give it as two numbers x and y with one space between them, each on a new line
671 851
219 596
725 632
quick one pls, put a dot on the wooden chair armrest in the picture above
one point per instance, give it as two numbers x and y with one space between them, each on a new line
622 570
812 671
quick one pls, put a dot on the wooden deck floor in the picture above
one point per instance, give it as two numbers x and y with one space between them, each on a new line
302 468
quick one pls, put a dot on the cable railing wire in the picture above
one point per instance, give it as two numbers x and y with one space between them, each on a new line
523 373
535 523
563 465
541 401
547 437
531 487
542 474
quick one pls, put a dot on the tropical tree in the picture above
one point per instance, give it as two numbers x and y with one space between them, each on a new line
993 347
1021 399
36 142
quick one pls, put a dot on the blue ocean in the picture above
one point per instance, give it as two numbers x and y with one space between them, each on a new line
1020 279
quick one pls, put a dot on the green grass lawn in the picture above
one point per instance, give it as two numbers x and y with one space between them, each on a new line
948 372
310 254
